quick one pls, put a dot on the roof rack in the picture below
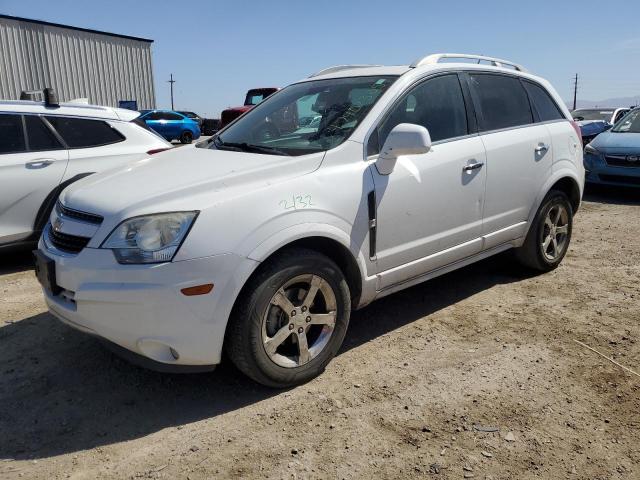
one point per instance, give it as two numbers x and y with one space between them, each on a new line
48 94
337 68
436 57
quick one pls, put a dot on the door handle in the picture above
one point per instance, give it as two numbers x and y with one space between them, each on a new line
39 163
472 166
542 148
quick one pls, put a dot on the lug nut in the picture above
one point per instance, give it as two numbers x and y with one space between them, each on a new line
291 326
293 313
308 319
304 309
300 330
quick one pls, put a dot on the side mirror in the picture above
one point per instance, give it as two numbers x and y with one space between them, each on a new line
404 139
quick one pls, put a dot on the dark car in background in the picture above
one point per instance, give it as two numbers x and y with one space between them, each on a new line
172 125
613 157
593 121
192 116
253 98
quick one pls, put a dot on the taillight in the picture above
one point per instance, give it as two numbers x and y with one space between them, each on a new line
157 150
576 127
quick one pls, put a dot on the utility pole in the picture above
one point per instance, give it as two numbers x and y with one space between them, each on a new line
575 91
172 81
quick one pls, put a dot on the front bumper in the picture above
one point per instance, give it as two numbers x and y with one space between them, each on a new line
599 172
141 307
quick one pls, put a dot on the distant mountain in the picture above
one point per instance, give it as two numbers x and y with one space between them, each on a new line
609 102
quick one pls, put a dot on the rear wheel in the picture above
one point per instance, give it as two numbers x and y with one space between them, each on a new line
186 137
290 320
549 236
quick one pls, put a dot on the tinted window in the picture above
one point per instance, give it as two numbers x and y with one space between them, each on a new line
39 135
11 134
80 132
436 104
544 105
170 116
502 100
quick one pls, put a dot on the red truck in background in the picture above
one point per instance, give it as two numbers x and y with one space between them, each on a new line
254 97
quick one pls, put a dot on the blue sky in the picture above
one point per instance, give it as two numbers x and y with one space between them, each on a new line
218 49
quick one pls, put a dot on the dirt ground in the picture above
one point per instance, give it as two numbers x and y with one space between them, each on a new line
422 375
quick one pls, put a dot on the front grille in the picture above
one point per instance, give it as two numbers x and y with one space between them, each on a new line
621 161
78 215
620 179
66 242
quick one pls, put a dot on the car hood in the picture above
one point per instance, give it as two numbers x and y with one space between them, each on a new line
592 127
617 142
185 178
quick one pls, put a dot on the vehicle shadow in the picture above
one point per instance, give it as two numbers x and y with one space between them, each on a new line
15 260
61 392
612 195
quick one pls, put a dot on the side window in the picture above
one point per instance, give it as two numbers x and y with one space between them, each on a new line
437 104
170 116
83 133
502 101
152 116
11 134
544 105
39 136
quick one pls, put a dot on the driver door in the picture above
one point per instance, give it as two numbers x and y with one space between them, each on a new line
429 209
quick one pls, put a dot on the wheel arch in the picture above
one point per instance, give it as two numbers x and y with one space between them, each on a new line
325 244
564 180
45 209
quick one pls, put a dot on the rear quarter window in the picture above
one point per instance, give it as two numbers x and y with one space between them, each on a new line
85 133
502 101
545 107
40 137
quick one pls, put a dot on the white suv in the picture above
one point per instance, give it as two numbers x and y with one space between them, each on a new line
261 241
45 146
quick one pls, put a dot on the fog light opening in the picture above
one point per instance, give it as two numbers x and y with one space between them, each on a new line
174 353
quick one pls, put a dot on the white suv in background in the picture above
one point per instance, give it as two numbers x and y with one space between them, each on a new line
45 146
262 240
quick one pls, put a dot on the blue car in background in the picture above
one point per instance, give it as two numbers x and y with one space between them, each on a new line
613 157
171 125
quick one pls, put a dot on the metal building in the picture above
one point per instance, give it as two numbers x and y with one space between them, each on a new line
106 68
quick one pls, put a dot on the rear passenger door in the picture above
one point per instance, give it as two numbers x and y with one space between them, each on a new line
32 163
519 154
94 145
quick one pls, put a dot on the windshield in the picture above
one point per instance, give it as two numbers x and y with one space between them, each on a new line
630 123
592 114
305 117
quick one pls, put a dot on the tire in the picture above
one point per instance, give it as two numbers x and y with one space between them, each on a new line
265 342
554 220
186 137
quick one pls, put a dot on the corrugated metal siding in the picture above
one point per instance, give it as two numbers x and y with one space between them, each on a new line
76 64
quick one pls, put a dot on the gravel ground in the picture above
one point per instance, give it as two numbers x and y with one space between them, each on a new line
475 374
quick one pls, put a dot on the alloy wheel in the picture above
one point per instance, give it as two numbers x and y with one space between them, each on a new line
555 232
299 321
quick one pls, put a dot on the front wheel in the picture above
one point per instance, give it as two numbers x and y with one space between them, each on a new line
290 319
549 235
186 137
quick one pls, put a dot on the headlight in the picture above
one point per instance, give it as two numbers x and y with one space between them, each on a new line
149 238
588 149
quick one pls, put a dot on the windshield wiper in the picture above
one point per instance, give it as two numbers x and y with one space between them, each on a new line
249 147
